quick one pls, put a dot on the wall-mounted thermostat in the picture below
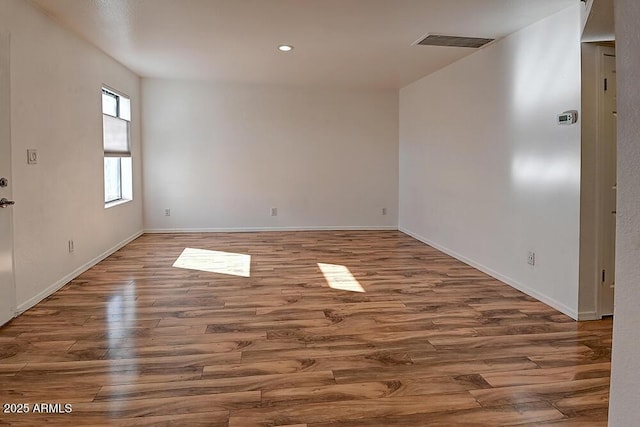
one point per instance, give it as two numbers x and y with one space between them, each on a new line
568 117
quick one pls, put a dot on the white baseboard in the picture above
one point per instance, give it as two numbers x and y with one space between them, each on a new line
508 280
75 273
255 229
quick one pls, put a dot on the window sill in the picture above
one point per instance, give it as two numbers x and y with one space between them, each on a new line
116 203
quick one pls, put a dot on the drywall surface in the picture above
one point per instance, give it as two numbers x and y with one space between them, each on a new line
56 81
486 173
625 374
220 156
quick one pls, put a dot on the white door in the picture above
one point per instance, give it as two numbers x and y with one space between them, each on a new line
607 172
7 287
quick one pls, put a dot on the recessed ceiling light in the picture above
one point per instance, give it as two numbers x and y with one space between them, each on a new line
285 48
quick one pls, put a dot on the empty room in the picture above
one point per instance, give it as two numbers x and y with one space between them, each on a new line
319 212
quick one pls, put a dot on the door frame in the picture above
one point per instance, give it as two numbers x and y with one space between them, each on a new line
5 138
601 215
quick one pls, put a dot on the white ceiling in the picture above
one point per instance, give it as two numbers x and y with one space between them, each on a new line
352 43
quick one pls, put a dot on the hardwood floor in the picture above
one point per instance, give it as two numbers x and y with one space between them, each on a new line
429 341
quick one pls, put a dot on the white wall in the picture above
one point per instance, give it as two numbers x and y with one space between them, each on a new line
220 156
56 108
486 174
625 375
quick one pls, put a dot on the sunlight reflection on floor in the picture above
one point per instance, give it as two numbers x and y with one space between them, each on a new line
215 262
339 277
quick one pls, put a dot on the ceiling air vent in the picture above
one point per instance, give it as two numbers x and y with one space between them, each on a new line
453 41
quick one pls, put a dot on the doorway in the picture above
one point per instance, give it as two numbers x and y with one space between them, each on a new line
7 286
606 172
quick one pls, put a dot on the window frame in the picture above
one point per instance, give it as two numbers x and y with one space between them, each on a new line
124 160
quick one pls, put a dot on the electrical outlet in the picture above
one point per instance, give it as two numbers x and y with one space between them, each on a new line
71 246
384 211
32 156
274 211
167 212
531 258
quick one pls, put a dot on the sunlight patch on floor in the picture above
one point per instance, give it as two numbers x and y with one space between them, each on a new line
339 277
215 262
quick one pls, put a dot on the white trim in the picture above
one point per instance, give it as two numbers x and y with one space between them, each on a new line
600 216
509 281
75 273
254 229
117 203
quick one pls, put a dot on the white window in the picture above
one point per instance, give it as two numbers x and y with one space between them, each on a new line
116 116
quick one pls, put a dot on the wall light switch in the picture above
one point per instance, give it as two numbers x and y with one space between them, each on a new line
32 156
531 258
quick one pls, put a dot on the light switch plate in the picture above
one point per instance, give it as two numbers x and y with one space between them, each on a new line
32 156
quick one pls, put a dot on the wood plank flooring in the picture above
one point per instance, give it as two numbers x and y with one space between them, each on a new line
430 341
